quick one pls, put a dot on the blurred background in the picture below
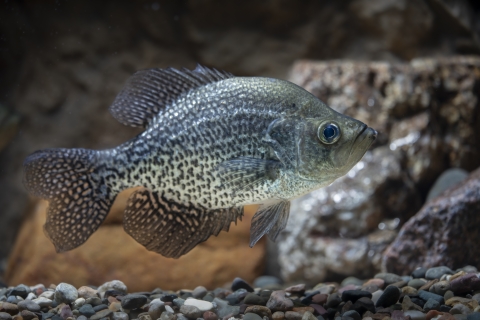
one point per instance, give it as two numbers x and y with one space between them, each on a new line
408 68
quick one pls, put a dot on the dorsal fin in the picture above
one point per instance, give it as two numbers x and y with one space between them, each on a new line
149 91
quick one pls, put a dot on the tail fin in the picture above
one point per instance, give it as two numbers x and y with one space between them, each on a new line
79 199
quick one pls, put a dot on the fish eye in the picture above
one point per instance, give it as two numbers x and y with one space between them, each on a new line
329 133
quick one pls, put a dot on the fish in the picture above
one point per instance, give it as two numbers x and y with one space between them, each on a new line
212 143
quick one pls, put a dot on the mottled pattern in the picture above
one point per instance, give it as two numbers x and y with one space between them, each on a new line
213 144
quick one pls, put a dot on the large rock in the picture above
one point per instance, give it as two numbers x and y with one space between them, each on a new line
444 232
426 113
112 254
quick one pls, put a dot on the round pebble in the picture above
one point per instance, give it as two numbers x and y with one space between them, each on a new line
65 293
133 301
239 283
200 304
199 292
389 297
251 316
437 272
87 310
28 305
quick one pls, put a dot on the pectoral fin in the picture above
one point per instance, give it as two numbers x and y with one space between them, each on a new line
245 173
271 220
173 229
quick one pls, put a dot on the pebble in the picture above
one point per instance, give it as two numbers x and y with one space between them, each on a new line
5 316
352 314
431 304
251 316
191 312
390 296
101 314
265 281
293 315
119 316
308 316
278 301
239 283
65 293
474 316
407 304
20 290
437 272
78 303
260 310
133 301
278 315
9 308
354 295
100 307
209 315
364 304
87 310
87 292
47 294
66 312
415 314
200 304
113 285
253 298
460 309
28 315
389 278
467 283
425 295
223 308
28 305
199 292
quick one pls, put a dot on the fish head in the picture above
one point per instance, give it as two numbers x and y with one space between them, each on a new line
320 144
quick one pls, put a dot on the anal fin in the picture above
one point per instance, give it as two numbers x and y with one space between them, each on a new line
269 219
173 229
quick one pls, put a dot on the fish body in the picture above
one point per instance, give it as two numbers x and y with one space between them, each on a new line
212 144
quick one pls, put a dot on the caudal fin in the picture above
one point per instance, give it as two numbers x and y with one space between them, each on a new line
79 199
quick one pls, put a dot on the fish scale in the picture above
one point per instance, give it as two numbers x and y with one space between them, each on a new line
212 144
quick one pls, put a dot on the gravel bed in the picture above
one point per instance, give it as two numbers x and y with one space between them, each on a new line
435 293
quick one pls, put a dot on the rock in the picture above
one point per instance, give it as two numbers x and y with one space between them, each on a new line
119 316
87 292
133 301
253 298
352 314
390 296
333 300
101 253
416 283
5 316
431 304
156 308
440 287
364 304
260 310
116 306
464 284
239 283
415 314
28 305
297 289
209 315
66 312
9 308
474 316
199 292
101 314
292 315
440 224
470 303
407 304
460 309
43 302
28 315
278 302
191 312
354 295
419 272
200 304
279 315
87 310
389 278
224 309
100 307
437 272
307 316
78 303
251 316
425 295
20 290
65 293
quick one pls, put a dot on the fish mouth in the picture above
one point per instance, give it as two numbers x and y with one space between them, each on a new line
362 142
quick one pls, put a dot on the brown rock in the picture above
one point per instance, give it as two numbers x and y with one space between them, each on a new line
209 315
292 315
380 283
278 315
320 299
87 292
260 310
28 315
432 314
302 310
278 302
9 308
470 303
110 247
441 232
465 283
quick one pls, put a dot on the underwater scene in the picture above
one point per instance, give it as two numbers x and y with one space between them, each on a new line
257 160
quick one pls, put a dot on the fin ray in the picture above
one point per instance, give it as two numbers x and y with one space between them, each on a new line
269 219
173 229
149 91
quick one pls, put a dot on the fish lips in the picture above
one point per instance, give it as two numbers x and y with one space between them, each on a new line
362 142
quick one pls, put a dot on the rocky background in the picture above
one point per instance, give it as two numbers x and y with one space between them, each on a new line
62 63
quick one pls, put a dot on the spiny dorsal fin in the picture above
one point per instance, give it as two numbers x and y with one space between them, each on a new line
149 91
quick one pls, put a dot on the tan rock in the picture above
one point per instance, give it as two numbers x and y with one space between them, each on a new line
112 254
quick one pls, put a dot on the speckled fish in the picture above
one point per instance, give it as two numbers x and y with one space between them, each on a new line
212 144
